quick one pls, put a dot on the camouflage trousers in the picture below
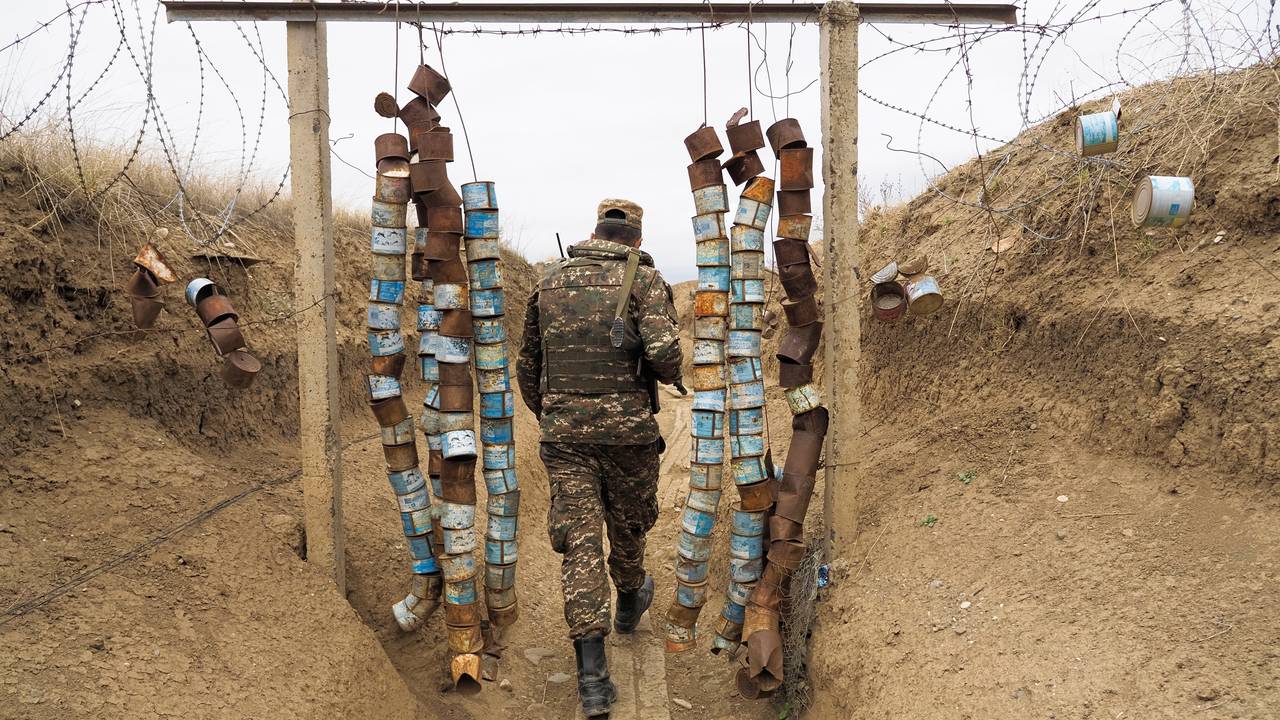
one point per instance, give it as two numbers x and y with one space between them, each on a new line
591 485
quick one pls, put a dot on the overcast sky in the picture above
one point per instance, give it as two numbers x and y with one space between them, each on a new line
561 121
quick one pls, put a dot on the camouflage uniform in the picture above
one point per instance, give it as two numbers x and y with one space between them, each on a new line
600 442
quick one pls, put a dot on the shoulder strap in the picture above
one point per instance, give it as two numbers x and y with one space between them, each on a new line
616 333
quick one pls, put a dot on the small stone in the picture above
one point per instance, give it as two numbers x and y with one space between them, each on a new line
1061 534
505 685
965 605
1207 694
534 654
1063 498
682 703
960 631
936 584
1127 532
558 678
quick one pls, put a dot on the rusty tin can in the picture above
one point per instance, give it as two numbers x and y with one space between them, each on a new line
213 308
488 303
794 202
793 374
796 171
711 199
795 227
745 137
491 356
446 219
710 328
744 238
502 604
746 421
705 173
390 189
742 168
707 303
801 312
785 135
226 336
746 316
706 477
709 226
708 352
803 399
888 300
489 330
389 365
494 380
798 280
390 145
428 175
480 195
788 252
800 343
385 342
713 252
453 349
456 323
444 196
399 434
759 189
756 497
703 144
458 568
483 224
748 470
461 616
432 144
388 267
142 284
451 296
498 552
923 295
501 481
709 400
239 368
145 311
442 246
389 410
707 377
483 249
383 316
433 86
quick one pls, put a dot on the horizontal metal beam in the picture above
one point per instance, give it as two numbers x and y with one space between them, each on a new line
556 13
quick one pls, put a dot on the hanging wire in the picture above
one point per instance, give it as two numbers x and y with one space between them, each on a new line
457 106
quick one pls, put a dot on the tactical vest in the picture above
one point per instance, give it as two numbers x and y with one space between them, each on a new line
576 306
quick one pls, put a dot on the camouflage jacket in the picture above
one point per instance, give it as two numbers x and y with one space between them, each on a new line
580 386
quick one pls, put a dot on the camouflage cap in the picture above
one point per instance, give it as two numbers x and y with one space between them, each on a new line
620 212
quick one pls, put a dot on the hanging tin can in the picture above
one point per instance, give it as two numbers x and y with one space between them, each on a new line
488 303
383 316
710 328
416 500
706 477
760 189
480 195
450 421
407 481
500 602
459 444
429 343
704 500
482 224
483 249
888 300
387 291
745 446
426 566
748 470
746 548
460 593
454 350
381 387
504 505
484 274
417 522
399 434
693 547
923 295
746 291
708 400
451 296
388 267
458 568
390 189
712 199
707 377
489 330
502 481
744 238
732 611
803 399
386 342
491 381
712 252
746 421
748 264
456 516
435 442
429 368
388 240
713 278
707 303
749 393
691 594
746 316
1161 201
748 524
499 552
501 528
709 226
499 577
496 431
384 214
749 214
499 457
1097 133
491 356
429 317
690 571
795 227
743 343
744 571
707 450
708 424
497 405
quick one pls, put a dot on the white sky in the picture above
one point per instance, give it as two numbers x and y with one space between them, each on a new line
560 121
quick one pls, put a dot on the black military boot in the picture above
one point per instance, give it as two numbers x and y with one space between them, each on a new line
596 691
631 605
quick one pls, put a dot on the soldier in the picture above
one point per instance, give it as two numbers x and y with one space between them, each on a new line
600 332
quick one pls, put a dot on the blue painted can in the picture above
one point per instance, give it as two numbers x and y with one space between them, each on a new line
456 516
417 522
746 291
383 316
712 252
437 492
745 395
482 223
416 500
501 481
382 387
712 277
708 400
705 500
386 342
710 328
763 210
734 612
748 470
498 552
499 457
746 421
691 595
458 541
406 523
458 445
501 528
387 291
488 303
428 289
484 274
497 404
483 249
429 343
742 446
708 424
748 265
427 566
745 571
451 296
743 343
384 214
746 547
803 399
435 442
431 399
491 356
430 422
709 226
706 477
744 238
693 547
749 524
406 481
419 547
453 350
480 195
708 352
429 368
456 421
493 380
499 577
746 316
419 239
489 330
752 214
504 505
691 571
460 593
745 369
697 522
458 568
739 592
496 431
711 199
707 451
1097 133
389 240
428 318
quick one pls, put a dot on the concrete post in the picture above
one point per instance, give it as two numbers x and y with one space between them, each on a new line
314 297
838 57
